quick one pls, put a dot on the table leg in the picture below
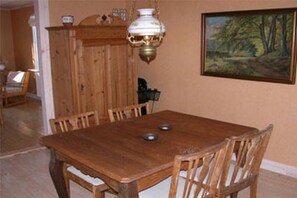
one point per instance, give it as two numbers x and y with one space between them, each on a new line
56 172
128 190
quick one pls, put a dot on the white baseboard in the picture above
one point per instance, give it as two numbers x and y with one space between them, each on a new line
279 168
33 96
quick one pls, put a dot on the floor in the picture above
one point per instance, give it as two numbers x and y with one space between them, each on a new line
22 126
26 175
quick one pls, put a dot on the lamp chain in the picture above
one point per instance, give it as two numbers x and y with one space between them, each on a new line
132 10
157 10
150 4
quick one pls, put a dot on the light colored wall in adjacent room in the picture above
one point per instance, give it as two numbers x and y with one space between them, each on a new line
176 73
6 41
22 38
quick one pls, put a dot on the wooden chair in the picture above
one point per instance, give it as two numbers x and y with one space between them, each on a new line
16 86
244 171
127 112
70 123
201 170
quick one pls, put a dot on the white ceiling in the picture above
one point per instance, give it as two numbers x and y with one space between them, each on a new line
15 4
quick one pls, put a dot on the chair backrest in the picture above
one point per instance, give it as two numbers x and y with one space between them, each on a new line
203 170
249 153
127 112
73 122
17 80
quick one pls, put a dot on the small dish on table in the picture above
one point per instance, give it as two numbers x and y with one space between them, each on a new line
150 136
165 127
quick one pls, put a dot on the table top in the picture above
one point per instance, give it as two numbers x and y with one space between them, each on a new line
119 152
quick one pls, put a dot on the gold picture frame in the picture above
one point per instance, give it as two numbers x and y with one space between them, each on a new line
252 45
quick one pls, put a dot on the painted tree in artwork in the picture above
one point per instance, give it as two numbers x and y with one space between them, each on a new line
283 39
269 41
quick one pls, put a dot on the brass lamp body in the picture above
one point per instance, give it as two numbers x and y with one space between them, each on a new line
147 52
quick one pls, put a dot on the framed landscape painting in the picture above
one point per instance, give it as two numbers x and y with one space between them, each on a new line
253 45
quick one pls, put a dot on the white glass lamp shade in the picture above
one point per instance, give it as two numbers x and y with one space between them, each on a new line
146 24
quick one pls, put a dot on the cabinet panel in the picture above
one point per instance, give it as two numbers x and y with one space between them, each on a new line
117 57
122 76
61 72
132 82
92 80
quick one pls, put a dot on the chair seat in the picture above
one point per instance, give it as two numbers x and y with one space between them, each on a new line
183 174
12 89
161 190
229 176
92 180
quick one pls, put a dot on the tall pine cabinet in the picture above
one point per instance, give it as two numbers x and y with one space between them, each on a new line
93 68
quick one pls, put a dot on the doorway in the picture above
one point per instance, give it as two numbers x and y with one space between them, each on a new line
23 124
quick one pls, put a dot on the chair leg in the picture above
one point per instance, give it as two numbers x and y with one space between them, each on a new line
66 178
253 189
5 101
234 195
67 183
1 116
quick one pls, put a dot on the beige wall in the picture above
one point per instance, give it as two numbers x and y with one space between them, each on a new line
176 72
6 41
80 9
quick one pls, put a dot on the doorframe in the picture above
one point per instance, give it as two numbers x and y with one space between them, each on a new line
41 9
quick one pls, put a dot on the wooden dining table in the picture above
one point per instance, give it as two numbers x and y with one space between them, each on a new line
118 154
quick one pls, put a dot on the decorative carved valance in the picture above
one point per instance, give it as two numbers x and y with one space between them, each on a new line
102 20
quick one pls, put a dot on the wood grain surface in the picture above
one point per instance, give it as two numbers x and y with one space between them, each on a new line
118 154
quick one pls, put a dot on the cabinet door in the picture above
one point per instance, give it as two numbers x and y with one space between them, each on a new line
106 78
60 50
120 75
91 79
